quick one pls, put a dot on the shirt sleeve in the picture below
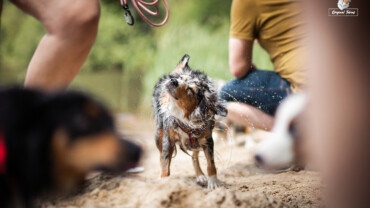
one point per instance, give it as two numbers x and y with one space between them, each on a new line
243 19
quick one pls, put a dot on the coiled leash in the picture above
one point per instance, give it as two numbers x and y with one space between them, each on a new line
142 5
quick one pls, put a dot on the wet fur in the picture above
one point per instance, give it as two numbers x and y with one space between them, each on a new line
195 108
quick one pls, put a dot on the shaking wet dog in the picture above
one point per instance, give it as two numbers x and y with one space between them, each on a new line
185 103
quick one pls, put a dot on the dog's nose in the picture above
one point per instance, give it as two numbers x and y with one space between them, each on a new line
259 159
174 82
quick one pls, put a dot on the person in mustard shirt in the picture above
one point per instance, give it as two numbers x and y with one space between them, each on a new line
254 95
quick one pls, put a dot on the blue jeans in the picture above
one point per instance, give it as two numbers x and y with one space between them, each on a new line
261 89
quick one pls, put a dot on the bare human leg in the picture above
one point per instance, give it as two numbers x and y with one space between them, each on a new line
248 115
72 28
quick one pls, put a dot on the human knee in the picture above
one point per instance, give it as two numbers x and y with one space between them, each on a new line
78 20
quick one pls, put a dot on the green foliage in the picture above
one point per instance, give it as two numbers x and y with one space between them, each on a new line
19 37
126 62
117 45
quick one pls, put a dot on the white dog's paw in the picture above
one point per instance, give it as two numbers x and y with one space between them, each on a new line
213 182
201 179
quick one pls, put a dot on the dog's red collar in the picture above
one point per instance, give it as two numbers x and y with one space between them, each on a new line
192 133
2 153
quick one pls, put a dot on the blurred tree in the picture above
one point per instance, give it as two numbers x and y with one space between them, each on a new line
140 54
20 35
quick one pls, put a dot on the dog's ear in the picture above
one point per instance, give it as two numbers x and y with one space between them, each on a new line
216 106
182 64
213 104
221 110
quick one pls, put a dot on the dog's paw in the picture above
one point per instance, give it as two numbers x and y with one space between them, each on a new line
213 182
201 179
163 176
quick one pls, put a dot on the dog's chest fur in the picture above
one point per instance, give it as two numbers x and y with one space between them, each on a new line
180 136
183 139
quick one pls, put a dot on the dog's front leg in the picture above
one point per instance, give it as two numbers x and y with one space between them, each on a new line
200 178
211 167
166 155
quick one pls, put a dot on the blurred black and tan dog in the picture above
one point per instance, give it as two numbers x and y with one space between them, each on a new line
49 143
185 103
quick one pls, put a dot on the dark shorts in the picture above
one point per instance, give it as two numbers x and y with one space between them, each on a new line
261 89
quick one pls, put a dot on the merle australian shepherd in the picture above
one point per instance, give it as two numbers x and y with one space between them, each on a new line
49 142
185 103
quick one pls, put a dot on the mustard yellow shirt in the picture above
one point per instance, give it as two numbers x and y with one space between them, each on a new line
278 26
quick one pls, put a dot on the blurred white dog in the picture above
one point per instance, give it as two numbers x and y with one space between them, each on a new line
279 150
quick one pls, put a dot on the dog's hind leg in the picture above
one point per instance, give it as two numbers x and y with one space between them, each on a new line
200 178
158 142
158 138
211 167
166 155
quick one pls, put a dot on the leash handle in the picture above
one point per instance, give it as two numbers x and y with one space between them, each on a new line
142 5
128 16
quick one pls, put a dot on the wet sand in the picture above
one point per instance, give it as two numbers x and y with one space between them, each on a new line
243 184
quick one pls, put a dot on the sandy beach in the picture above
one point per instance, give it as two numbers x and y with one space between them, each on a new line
243 184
